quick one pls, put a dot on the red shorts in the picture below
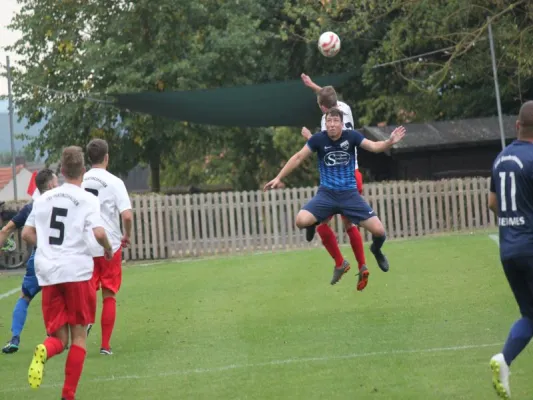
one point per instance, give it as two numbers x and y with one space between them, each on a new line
108 274
72 303
359 181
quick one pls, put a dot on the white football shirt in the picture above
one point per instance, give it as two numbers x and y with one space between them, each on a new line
347 119
61 217
114 199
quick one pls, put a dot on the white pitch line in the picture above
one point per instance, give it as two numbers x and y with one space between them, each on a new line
265 364
7 294
495 238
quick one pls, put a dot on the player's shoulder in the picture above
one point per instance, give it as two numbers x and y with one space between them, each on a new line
46 195
519 152
93 173
114 178
320 137
352 133
106 178
87 198
345 108
110 176
74 192
116 184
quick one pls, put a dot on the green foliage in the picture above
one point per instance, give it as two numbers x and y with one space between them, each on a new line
105 47
456 84
29 156
102 46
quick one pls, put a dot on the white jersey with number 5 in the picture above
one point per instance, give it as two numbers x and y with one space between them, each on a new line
62 217
347 118
114 200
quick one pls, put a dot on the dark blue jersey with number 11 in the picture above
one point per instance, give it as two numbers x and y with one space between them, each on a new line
512 182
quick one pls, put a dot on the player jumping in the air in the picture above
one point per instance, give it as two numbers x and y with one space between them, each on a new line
44 181
114 204
327 98
59 224
511 199
338 193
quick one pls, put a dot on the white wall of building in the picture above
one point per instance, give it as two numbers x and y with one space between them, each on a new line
23 180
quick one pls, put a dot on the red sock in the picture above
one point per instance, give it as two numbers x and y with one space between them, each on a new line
54 346
330 243
73 368
357 245
109 312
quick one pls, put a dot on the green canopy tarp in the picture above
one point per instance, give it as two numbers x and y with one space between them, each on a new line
287 103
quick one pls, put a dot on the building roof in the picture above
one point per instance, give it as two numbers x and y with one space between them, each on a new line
6 175
447 134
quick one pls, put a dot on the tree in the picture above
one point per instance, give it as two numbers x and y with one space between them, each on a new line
7 159
103 46
443 85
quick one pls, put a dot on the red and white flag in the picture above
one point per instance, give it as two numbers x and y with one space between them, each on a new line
32 187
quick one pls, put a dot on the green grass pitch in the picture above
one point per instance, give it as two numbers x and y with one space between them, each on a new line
270 326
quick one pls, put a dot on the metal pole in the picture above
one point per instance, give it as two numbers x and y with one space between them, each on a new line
11 129
496 85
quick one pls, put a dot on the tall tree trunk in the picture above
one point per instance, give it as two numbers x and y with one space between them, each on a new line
155 172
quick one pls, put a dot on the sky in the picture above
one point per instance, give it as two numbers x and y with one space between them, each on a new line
7 37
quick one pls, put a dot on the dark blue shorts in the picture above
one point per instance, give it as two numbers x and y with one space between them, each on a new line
30 285
349 203
519 273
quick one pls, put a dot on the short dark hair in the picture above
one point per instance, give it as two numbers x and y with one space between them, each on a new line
335 112
327 97
525 118
43 178
97 150
72 163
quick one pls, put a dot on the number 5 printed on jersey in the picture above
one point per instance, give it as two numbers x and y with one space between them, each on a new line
58 225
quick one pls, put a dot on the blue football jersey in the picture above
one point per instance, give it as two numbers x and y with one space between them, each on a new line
512 182
336 159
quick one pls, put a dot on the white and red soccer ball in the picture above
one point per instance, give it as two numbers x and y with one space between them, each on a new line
329 44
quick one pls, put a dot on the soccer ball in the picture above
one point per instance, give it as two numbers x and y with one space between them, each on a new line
329 44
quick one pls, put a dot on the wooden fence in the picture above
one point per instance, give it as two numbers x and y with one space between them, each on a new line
233 222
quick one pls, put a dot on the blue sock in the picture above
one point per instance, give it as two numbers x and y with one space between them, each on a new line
378 241
519 336
19 316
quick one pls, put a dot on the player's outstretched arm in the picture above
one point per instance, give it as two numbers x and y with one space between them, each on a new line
384 145
309 83
293 163
29 235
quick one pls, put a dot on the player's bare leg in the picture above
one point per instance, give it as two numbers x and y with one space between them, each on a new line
305 219
356 241
108 318
52 346
375 227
